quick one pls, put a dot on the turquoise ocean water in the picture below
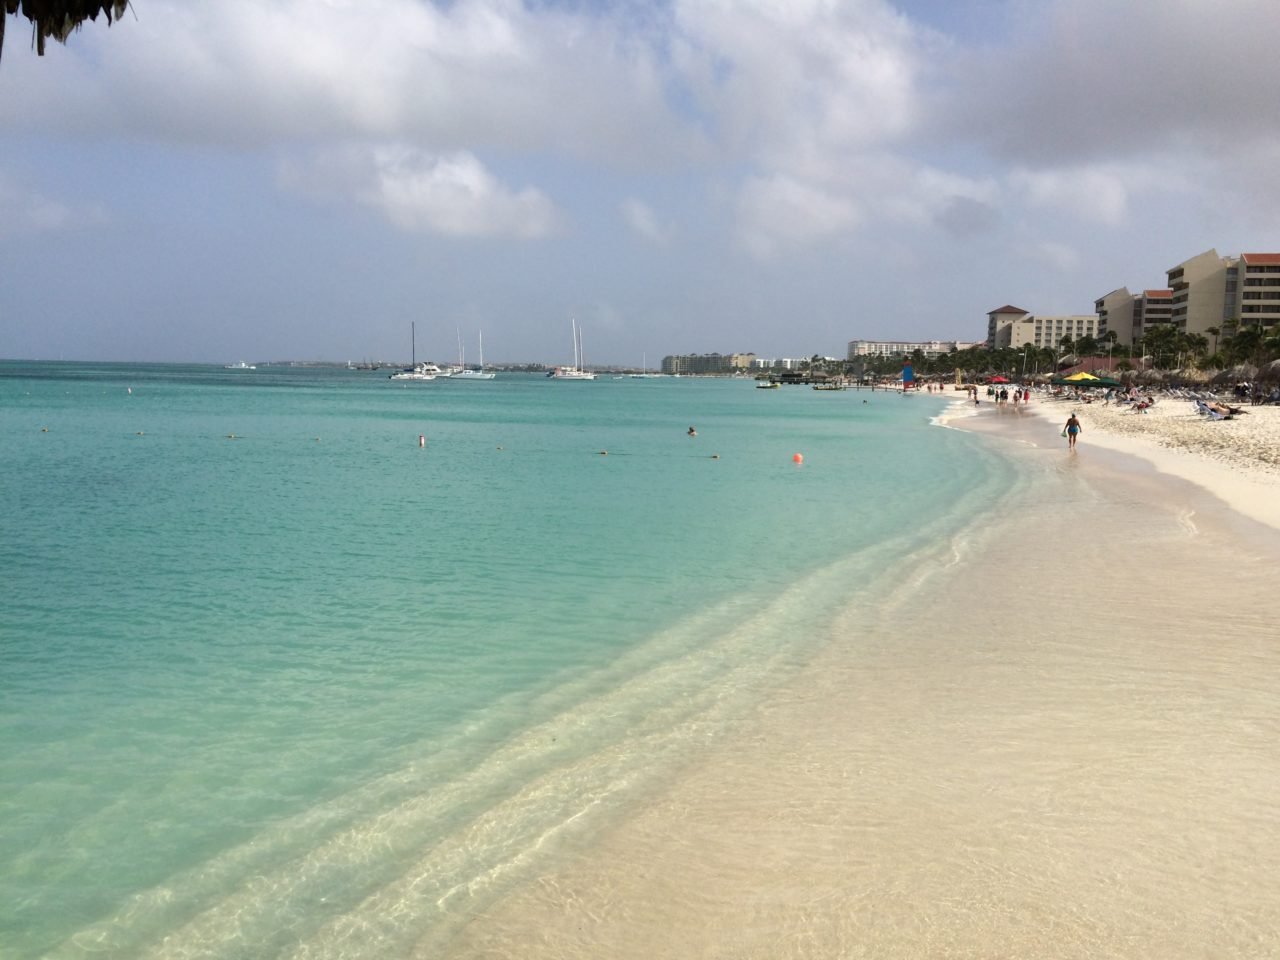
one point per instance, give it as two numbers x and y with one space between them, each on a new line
315 691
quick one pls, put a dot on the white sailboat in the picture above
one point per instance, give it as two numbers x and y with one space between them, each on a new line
574 372
465 373
644 367
416 371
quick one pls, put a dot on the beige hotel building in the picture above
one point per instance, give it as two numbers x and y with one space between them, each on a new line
1205 291
1011 326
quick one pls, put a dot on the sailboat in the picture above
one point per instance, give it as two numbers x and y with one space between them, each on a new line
418 371
574 372
644 367
465 373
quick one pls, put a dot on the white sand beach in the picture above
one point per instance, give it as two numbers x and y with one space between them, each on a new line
1053 738
1238 459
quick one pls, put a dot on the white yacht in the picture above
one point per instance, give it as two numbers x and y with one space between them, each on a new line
466 373
574 372
239 366
417 371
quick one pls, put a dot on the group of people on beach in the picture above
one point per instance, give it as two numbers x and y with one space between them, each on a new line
1002 395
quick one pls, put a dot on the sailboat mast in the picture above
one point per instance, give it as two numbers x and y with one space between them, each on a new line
413 343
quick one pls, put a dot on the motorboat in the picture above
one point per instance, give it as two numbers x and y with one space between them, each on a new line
417 371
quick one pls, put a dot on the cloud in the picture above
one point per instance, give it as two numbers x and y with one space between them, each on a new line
639 216
801 82
1082 79
453 195
24 211
1090 194
966 217
472 74
1052 254
781 212
419 192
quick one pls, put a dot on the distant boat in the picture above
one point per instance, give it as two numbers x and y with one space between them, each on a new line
574 372
644 368
416 371
767 385
464 372
239 366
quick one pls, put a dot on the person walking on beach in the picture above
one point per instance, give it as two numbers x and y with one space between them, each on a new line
1071 431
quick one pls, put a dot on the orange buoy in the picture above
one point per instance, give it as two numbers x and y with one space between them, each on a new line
797 458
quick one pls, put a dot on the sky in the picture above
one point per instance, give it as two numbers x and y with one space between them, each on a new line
303 179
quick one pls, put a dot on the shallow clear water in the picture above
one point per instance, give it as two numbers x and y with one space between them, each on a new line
308 690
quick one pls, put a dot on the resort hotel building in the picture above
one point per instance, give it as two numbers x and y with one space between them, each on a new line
1131 315
691 364
1203 293
1011 326
904 348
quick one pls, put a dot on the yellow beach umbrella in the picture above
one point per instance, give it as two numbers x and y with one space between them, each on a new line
1080 377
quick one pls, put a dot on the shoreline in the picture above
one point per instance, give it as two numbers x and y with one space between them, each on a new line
1237 461
1050 736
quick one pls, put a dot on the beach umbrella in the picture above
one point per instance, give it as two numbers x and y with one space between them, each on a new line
1081 378
999 379
1241 371
57 18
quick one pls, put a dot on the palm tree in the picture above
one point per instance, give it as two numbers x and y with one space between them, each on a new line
1214 332
1246 344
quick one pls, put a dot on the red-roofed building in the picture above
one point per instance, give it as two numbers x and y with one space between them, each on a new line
1258 276
1225 292
1000 318
1130 315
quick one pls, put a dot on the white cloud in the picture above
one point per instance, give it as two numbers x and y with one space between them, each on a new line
1088 194
1052 254
639 216
450 194
453 195
30 211
472 74
781 212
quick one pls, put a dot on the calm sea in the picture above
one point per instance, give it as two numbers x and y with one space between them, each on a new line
277 681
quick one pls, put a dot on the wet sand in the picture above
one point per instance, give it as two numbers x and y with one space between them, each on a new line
1051 737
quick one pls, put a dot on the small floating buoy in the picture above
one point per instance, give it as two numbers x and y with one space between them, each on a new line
130 389
797 458
422 439
499 448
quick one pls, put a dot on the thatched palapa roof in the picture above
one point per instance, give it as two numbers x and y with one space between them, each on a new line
57 18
